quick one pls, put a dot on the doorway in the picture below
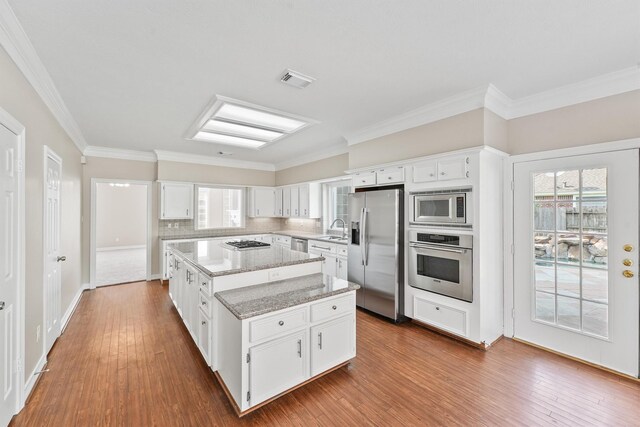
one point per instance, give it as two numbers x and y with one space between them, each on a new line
120 232
575 257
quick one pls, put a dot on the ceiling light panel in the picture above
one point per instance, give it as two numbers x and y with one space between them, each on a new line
228 139
251 116
234 122
241 130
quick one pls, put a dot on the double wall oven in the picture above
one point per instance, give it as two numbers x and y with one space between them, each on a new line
442 263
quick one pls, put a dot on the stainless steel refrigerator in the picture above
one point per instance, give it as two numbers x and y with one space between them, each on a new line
376 250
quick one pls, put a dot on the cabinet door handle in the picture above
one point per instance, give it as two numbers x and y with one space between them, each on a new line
281 323
187 212
299 348
204 303
204 323
320 340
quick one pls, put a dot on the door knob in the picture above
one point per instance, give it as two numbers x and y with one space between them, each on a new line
61 258
628 274
627 262
627 248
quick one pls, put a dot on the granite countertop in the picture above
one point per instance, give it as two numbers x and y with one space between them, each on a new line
293 233
214 258
255 300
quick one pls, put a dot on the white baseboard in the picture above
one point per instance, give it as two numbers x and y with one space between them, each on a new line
154 277
72 307
31 380
120 248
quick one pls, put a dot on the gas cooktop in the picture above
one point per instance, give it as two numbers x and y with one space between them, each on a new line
244 245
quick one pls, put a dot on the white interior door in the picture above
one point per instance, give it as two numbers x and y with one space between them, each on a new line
52 256
8 272
576 257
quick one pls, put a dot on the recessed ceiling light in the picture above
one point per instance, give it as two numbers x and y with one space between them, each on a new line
233 122
241 130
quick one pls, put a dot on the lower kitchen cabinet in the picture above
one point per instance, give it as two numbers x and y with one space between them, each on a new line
341 268
266 355
277 366
332 343
335 257
204 336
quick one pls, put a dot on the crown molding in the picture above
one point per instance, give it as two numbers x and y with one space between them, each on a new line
448 107
173 156
332 151
119 153
15 41
610 84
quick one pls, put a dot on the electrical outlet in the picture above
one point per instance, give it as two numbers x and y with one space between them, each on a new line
169 225
175 225
38 333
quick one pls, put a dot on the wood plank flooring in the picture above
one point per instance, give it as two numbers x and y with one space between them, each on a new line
126 359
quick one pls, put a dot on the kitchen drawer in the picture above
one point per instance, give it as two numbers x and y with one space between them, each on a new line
277 324
335 307
322 247
205 304
342 250
441 316
283 240
390 176
366 178
206 284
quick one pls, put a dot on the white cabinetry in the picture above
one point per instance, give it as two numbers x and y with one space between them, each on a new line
277 366
176 200
331 343
262 202
269 354
295 202
279 209
335 257
286 202
384 176
444 169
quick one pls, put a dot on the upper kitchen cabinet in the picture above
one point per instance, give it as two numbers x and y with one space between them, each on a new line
176 200
385 176
279 208
309 200
441 170
262 202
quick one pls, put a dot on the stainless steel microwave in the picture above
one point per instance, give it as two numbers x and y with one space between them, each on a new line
440 208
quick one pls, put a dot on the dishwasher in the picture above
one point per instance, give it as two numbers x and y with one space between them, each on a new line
300 245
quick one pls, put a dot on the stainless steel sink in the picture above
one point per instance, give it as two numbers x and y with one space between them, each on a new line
334 238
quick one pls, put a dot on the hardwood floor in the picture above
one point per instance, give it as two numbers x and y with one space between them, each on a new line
126 359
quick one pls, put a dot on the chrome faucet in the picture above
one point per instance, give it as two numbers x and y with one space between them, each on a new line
344 226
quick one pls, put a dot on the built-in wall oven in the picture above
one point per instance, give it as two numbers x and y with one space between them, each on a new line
440 207
442 263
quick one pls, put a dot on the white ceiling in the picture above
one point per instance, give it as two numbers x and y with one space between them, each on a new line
136 74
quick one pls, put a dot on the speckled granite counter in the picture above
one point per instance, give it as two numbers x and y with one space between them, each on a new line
255 300
213 258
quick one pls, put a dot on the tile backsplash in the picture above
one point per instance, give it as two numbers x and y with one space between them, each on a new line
185 227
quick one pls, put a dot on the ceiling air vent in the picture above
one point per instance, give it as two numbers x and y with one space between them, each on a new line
296 79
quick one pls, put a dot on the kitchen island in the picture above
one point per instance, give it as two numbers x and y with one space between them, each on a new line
278 336
198 269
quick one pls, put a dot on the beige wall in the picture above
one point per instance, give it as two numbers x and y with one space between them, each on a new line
496 131
607 119
121 215
454 133
21 101
320 169
97 167
177 171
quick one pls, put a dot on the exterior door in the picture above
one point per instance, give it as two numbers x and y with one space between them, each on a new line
53 258
576 257
8 273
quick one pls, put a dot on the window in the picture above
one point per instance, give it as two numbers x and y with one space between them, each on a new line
336 199
571 249
219 207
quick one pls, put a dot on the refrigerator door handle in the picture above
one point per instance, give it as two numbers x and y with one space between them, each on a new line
365 236
361 242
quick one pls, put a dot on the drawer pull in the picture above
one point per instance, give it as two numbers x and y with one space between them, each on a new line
334 307
204 303
437 308
281 323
